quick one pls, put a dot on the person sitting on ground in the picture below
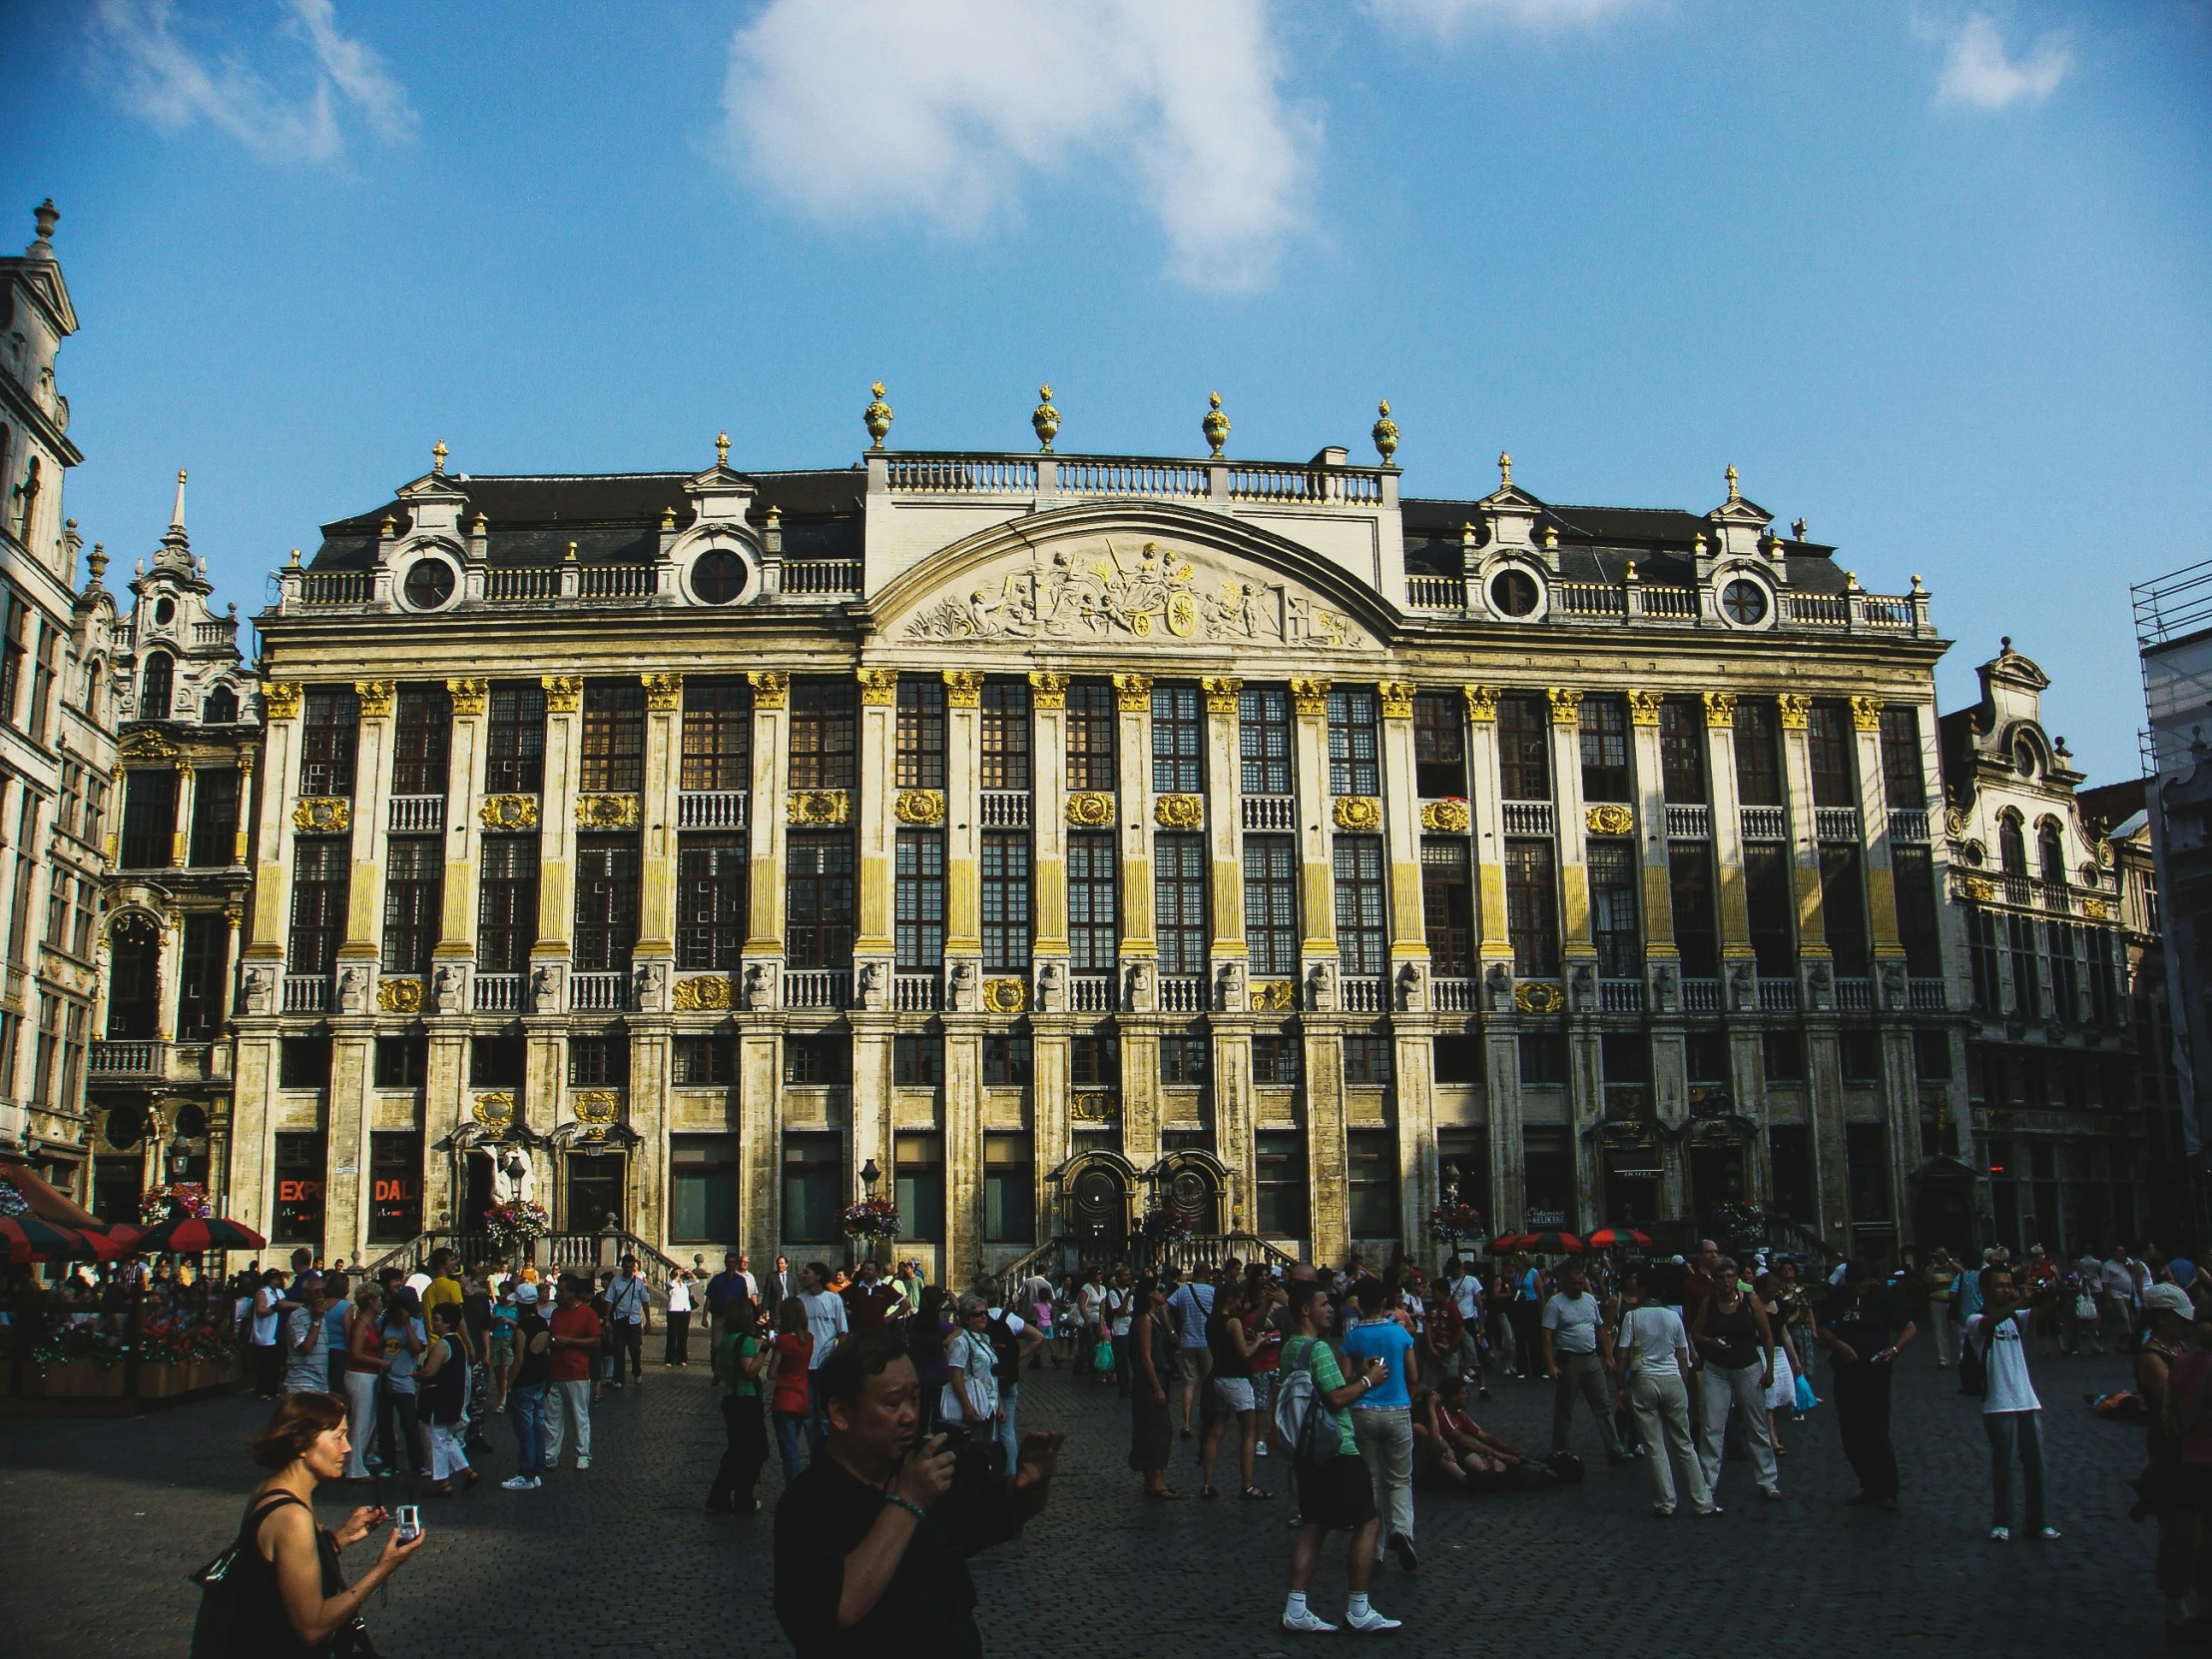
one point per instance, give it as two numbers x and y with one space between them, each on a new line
1455 1450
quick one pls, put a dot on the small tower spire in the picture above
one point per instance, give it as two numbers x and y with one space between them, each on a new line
1734 494
177 513
176 548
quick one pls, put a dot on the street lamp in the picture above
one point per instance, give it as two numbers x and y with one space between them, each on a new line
869 1175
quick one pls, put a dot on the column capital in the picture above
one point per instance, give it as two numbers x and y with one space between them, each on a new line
1047 689
564 693
1481 703
1719 710
664 692
1221 692
375 697
1133 693
1310 696
1866 714
771 689
1795 710
964 688
879 686
281 699
1566 705
1643 707
1397 699
468 695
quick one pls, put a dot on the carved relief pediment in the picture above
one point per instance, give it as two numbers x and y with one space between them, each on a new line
1108 589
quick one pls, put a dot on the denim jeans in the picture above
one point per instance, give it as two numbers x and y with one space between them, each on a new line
791 1429
817 1419
2008 1429
1008 1440
526 1411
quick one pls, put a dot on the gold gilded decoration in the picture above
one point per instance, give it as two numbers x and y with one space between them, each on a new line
722 449
468 695
705 992
323 814
1215 425
1539 996
1795 710
1980 889
375 695
1004 996
964 689
819 807
1044 420
564 693
400 996
1446 817
1866 714
1181 612
1504 471
1566 705
920 807
1481 703
281 699
1720 711
1358 811
608 812
1220 694
494 1111
1397 699
1385 432
1734 494
664 692
1310 696
1048 690
1643 707
1611 818
1094 1108
1179 812
1957 823
2095 909
1132 693
1274 996
770 689
508 811
877 418
879 687
1091 810
144 745
597 1109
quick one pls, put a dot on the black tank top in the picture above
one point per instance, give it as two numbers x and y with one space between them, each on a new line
1737 1334
1229 1360
262 1631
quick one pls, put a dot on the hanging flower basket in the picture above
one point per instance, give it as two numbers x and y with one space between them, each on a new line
517 1223
871 1218
184 1199
1456 1222
12 1202
1164 1223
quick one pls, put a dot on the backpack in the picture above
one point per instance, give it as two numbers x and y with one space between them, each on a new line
1302 1421
1005 1353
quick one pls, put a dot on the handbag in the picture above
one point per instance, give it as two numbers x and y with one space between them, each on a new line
2086 1306
1102 1357
1805 1399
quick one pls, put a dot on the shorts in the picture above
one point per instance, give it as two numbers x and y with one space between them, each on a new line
1337 1495
502 1351
1193 1364
1234 1394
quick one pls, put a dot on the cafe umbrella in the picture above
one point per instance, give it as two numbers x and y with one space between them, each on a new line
29 1238
190 1236
1612 1238
1551 1244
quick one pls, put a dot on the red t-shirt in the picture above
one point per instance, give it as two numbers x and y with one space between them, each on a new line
573 1365
790 1372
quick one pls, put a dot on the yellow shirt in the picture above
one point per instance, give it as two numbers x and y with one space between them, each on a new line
442 1291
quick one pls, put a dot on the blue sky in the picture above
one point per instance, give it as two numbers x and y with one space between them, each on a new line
1936 276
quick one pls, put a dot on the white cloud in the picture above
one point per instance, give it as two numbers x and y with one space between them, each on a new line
174 84
1445 18
954 110
1979 73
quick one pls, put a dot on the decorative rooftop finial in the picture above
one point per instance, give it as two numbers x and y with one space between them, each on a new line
96 562
1697 545
1385 432
1215 425
1734 494
571 553
1044 419
177 513
44 215
389 527
293 562
1551 535
722 449
1504 470
1797 527
877 417
2004 644
438 452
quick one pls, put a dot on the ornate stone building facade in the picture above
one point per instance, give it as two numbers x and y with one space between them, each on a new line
1047 838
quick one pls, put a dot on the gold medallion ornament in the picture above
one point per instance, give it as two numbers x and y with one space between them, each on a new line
1091 810
508 811
1358 811
1182 614
608 812
920 807
564 693
1566 705
770 689
1643 707
1132 693
597 1109
1048 690
664 692
1540 997
1866 714
468 695
1274 996
2095 909
1397 699
400 996
1310 696
1720 711
281 699
375 697
1795 711
1220 694
494 1111
1481 704
879 687
819 807
322 815
964 689
1446 817
1980 889
1611 818
707 992
1004 996
1179 812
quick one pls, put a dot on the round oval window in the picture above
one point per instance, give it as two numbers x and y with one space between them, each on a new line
2023 758
430 584
1513 592
165 612
1744 602
716 578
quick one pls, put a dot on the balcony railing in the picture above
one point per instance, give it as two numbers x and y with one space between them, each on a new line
1908 823
711 810
1273 813
1925 995
1674 604
1526 818
498 993
1437 593
335 587
1778 996
1855 996
918 993
1181 993
307 993
417 815
1584 599
817 988
821 576
1689 824
1835 824
1005 809
615 582
1453 996
1091 994
1363 996
599 993
512 582
2054 896
1765 823
126 1059
1620 996
1701 996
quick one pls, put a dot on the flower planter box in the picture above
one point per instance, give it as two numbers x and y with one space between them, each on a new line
160 1381
75 1379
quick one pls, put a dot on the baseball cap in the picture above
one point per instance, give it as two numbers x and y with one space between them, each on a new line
2169 1298
526 1292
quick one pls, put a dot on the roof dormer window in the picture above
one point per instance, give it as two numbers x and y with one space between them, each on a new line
2024 756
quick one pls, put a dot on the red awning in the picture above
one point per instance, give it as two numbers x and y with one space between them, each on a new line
48 1202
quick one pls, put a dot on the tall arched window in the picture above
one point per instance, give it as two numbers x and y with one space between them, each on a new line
156 684
2013 844
2050 854
133 979
222 708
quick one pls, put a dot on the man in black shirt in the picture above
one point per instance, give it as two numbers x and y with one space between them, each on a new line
1854 1327
872 1540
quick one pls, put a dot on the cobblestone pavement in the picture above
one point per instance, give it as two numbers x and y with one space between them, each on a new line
104 1519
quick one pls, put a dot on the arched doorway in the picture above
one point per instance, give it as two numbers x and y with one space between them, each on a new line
134 978
1093 1190
1193 1184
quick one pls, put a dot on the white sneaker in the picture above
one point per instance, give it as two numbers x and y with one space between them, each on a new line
583 1462
1371 1622
521 1484
1308 1623
2001 1534
2046 1533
